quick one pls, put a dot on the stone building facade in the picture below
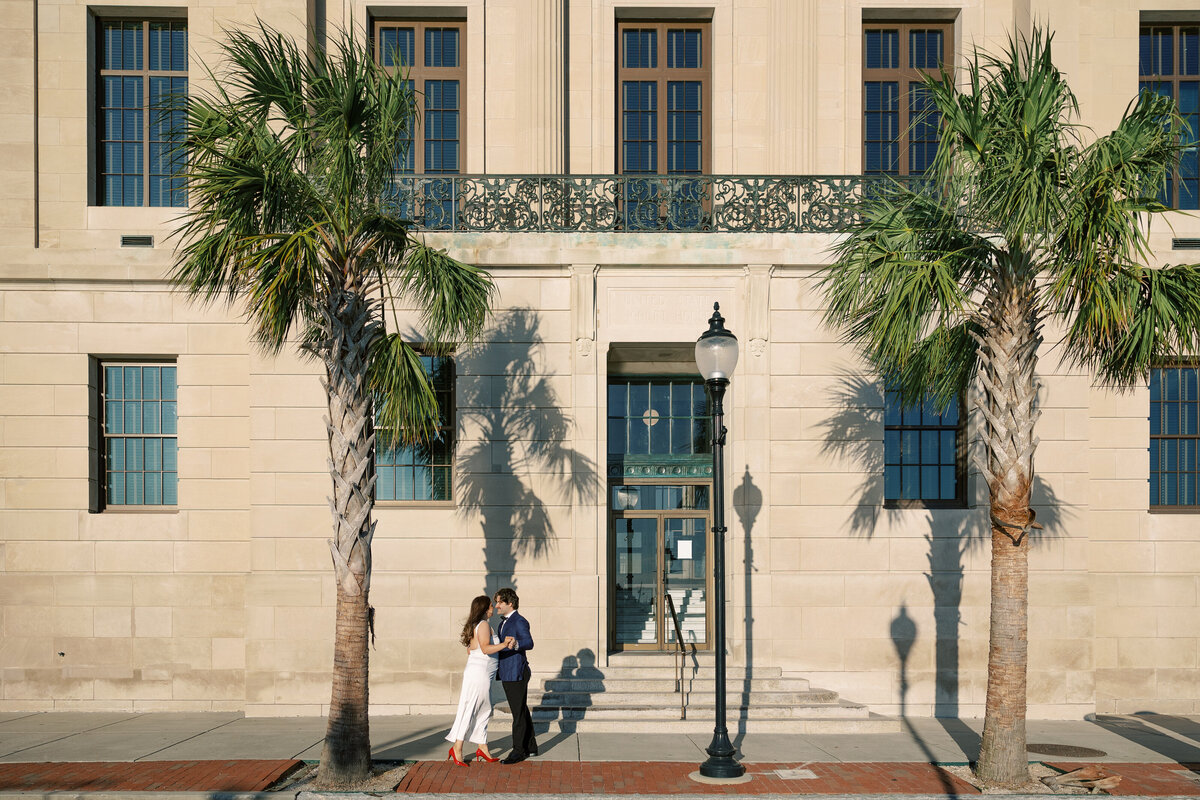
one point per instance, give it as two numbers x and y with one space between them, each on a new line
203 580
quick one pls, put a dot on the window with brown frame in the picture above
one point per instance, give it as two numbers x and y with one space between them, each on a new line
900 131
664 86
1174 436
140 106
430 54
423 472
1169 65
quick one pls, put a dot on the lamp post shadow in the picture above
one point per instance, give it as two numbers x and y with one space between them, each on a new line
852 433
747 504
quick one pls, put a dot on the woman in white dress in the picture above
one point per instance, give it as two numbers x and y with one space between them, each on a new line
475 702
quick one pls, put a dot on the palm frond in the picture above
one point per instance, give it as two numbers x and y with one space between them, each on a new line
1145 316
1112 195
268 74
906 268
453 297
1010 137
939 369
406 407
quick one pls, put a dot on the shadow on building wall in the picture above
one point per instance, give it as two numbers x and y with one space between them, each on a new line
516 433
571 689
853 433
747 504
903 631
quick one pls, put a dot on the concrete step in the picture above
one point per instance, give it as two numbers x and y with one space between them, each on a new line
658 711
635 691
668 684
668 670
650 698
660 658
871 724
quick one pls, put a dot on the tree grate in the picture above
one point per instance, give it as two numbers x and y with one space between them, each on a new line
1066 750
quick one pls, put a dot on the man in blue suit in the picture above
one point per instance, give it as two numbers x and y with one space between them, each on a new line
513 674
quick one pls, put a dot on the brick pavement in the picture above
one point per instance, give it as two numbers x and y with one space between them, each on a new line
1147 779
568 777
144 776
615 778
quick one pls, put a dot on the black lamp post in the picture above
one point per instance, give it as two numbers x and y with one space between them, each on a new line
716 356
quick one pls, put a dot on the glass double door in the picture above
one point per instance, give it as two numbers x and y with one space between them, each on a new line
659 548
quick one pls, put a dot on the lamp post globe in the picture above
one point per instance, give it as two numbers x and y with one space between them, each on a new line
716 357
716 349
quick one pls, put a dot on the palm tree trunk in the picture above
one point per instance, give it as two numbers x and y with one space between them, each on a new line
346 757
1008 356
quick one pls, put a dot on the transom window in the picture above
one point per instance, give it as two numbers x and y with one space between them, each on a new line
922 454
657 416
1169 65
140 431
900 123
140 100
1174 430
422 472
664 78
430 55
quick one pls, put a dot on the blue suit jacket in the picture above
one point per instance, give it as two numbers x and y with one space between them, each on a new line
514 666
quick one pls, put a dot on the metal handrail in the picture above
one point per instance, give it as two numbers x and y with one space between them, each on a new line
680 653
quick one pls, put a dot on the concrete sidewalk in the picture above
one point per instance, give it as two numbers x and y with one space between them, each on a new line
1149 738
1147 750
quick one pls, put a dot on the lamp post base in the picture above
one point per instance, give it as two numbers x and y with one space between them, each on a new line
721 764
698 778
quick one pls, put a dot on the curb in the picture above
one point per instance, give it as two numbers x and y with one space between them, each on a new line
306 795
71 794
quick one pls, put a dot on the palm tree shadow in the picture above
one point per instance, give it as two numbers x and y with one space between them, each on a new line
513 417
853 438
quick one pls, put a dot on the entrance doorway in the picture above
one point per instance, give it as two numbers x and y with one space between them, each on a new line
659 544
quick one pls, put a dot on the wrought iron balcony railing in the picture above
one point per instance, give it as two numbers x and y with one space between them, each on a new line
629 203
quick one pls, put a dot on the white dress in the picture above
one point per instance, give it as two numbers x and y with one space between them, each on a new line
475 702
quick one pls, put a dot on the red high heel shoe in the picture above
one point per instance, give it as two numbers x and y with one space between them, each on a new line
455 758
479 752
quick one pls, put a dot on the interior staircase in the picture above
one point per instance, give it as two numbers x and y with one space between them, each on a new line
640 692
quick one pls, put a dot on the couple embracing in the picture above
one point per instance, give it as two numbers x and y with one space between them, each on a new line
499 655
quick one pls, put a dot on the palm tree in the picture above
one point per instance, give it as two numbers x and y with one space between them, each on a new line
948 284
292 214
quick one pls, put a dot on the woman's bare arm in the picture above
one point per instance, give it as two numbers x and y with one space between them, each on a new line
485 645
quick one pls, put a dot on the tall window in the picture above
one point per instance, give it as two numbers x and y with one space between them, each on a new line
657 416
140 434
1174 431
430 55
923 455
422 472
900 129
142 83
1169 64
664 78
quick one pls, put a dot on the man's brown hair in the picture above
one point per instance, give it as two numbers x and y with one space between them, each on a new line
507 595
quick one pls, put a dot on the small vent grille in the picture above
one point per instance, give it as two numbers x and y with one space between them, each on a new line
137 241
1185 244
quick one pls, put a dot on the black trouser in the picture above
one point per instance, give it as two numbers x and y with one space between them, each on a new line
517 694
